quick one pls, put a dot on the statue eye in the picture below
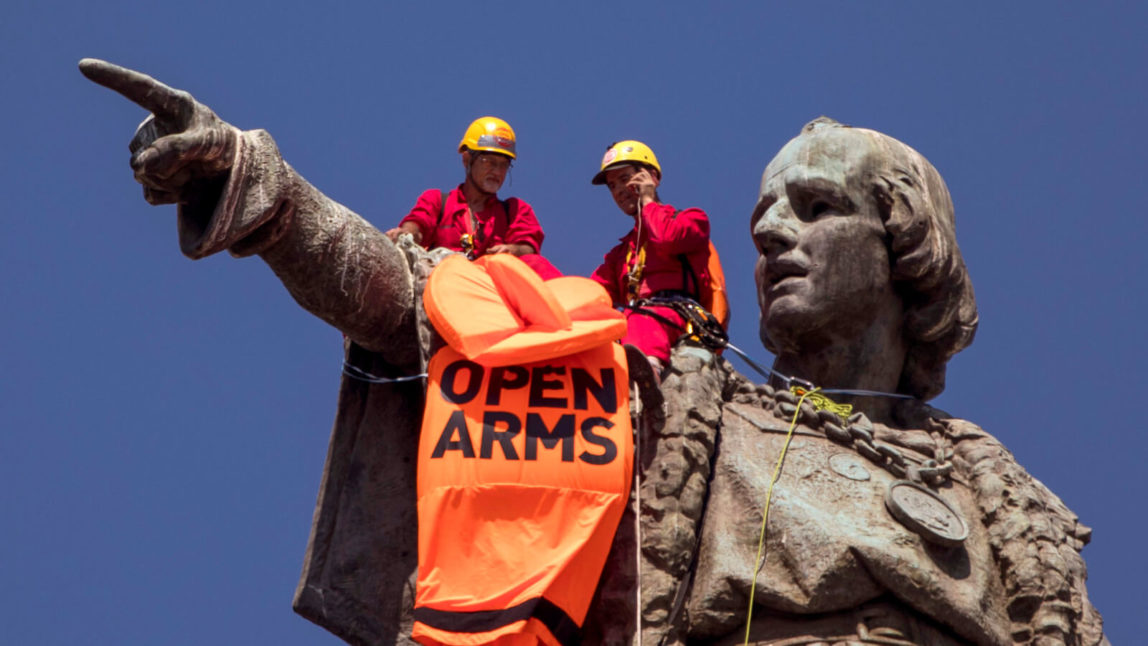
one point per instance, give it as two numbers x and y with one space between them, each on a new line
818 207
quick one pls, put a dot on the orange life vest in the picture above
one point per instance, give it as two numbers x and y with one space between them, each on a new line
525 456
711 292
709 287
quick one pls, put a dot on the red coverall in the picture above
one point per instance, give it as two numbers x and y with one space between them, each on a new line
667 235
495 226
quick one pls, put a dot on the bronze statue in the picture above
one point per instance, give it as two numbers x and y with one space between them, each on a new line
893 525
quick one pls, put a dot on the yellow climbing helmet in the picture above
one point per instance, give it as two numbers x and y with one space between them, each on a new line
626 152
489 134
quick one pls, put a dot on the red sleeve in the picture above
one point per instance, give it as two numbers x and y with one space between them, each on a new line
523 226
671 233
426 214
606 275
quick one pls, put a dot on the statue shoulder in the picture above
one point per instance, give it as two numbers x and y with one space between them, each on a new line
1035 539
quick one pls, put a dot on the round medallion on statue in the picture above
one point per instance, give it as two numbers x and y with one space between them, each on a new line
926 513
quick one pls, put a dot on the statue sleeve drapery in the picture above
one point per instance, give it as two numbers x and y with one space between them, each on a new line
358 571
333 262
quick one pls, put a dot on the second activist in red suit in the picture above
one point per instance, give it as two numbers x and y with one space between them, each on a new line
665 254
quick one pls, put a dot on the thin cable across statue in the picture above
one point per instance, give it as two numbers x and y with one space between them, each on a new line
861 286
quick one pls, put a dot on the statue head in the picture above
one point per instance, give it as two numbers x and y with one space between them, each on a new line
852 225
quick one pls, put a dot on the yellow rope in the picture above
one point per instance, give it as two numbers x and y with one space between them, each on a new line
634 273
768 496
821 402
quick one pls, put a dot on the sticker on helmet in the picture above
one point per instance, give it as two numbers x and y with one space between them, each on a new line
609 156
494 141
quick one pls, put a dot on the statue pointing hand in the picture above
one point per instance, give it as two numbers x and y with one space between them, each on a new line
182 149
235 192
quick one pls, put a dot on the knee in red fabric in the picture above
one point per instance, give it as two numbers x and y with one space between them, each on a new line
650 335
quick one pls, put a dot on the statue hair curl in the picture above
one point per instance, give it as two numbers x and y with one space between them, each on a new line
927 267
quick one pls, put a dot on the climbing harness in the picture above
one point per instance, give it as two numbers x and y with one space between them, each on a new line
699 325
470 241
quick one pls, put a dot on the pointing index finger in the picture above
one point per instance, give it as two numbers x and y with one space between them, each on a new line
166 103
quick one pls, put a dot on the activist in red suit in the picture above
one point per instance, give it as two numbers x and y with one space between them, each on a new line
665 254
471 219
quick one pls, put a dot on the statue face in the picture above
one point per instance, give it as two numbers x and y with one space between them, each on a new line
823 271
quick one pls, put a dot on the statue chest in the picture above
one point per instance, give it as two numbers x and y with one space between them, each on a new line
832 541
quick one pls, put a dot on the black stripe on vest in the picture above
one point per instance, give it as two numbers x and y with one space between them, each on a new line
479 621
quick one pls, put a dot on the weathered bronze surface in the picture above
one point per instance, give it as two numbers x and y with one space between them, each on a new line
861 286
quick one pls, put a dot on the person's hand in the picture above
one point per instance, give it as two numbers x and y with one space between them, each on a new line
518 249
643 185
182 150
408 227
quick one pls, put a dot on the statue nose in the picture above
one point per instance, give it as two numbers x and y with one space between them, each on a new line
776 229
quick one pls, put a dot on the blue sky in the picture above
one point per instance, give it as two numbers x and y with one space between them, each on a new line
164 422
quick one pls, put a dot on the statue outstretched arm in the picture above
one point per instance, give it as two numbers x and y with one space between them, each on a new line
235 192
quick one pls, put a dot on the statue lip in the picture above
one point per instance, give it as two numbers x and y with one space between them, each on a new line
783 268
